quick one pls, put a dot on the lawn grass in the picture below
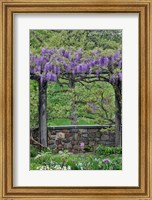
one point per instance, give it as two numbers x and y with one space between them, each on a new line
60 122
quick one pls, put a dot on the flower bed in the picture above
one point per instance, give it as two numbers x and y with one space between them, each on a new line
110 158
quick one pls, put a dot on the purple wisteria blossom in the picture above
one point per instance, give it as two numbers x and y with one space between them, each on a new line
51 63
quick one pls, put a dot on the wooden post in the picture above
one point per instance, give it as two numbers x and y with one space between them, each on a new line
42 113
118 124
74 117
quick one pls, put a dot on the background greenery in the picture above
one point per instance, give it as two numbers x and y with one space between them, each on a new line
95 101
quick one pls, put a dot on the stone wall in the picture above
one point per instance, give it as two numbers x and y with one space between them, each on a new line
70 138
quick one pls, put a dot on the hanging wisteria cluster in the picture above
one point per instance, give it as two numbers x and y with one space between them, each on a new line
53 63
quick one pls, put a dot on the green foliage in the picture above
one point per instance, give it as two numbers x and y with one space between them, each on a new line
86 39
88 148
108 129
105 150
33 104
33 151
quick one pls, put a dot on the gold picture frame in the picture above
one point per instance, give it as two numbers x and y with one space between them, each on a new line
7 10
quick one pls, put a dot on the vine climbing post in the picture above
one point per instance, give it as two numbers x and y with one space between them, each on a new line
42 113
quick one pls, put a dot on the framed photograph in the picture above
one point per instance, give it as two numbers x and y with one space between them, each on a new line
75 99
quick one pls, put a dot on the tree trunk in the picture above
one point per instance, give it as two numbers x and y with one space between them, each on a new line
74 118
42 113
118 121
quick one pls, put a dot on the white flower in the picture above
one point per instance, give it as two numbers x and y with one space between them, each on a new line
64 168
42 168
38 168
38 156
69 167
47 167
80 164
58 167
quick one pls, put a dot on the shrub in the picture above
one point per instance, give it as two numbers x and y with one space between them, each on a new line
104 150
33 151
88 148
